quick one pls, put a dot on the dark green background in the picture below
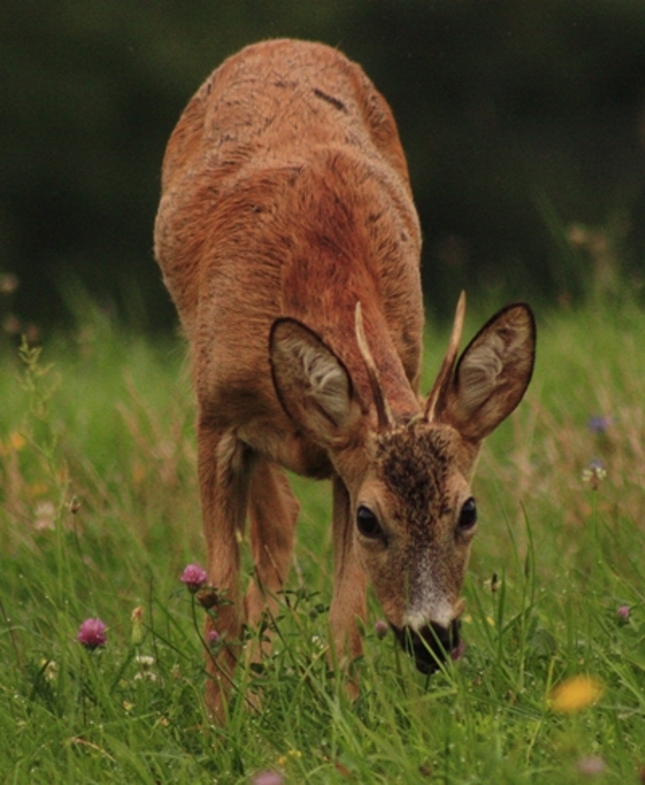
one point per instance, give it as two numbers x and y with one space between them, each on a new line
518 118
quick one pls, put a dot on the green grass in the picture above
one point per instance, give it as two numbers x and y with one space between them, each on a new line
99 514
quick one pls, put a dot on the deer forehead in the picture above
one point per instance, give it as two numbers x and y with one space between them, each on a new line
418 465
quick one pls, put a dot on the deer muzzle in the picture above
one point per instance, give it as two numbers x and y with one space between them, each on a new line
431 645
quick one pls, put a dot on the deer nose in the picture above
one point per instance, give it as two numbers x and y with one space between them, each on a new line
430 645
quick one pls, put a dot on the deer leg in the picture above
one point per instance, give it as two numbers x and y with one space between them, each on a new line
348 606
223 477
273 513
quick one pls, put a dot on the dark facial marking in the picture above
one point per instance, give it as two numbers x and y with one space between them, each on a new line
415 462
330 99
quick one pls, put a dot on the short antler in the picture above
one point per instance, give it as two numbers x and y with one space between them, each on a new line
383 411
445 373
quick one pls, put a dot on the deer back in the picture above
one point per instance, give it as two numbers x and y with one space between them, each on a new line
286 194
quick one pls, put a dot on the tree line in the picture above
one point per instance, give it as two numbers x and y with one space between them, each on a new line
523 122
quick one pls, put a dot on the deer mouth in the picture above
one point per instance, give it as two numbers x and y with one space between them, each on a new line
432 645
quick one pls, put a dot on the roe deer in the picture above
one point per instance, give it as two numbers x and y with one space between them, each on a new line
290 244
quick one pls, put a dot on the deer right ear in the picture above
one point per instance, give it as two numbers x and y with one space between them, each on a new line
491 375
313 385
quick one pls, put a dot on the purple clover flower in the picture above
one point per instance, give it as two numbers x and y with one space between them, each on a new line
92 633
591 765
267 778
194 577
598 424
381 628
623 612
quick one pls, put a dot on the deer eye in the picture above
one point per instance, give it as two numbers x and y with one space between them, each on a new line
367 523
468 515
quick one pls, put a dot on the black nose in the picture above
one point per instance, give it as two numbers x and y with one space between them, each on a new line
431 645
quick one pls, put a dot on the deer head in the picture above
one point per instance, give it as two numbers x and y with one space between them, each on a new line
413 514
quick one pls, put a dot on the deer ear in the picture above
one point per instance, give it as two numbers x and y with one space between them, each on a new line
492 374
312 383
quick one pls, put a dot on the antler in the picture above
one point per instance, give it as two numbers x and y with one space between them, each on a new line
445 372
383 411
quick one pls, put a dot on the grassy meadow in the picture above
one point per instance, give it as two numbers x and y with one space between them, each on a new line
99 515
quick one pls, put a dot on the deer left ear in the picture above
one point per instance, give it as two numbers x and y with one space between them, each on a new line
491 375
312 383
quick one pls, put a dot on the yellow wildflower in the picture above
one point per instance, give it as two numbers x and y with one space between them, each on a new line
14 443
575 694
17 440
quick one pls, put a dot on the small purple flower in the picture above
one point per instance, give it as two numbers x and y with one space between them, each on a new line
212 637
458 652
598 424
594 474
267 778
380 628
591 765
92 633
194 577
623 612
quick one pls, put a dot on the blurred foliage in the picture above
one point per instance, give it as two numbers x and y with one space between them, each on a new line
519 117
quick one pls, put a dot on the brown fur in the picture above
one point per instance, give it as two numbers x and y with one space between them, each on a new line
285 202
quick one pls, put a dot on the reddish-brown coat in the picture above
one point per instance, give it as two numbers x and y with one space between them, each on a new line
290 244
